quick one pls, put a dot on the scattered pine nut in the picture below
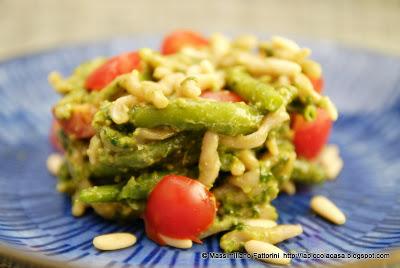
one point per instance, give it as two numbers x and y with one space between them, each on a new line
260 223
54 162
266 252
282 232
177 243
327 209
114 241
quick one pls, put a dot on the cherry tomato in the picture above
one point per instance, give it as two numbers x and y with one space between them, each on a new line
223 95
53 136
318 84
114 67
175 41
179 207
80 122
310 137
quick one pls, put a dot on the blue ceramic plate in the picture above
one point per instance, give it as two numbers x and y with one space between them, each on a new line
36 218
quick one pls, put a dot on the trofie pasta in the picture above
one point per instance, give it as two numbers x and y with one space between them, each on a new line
197 138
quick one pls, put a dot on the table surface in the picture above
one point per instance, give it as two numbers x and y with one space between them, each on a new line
32 25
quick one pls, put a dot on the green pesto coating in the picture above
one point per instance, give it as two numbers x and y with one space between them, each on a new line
76 158
110 163
235 202
183 114
116 140
227 160
307 172
260 94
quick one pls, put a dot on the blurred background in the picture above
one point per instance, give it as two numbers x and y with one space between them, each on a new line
32 25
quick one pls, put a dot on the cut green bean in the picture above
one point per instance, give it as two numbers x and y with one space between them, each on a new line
220 117
140 187
106 193
260 94
136 189
310 112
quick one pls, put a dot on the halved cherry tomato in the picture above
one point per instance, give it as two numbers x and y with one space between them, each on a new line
179 207
114 67
223 95
53 136
175 41
80 122
310 137
318 84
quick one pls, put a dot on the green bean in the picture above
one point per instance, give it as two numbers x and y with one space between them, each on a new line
221 117
106 193
262 95
307 172
136 189
140 187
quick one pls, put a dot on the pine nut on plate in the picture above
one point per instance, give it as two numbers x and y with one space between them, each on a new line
266 252
177 243
114 241
327 209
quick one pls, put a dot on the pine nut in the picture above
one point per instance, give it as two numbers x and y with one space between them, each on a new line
272 253
327 209
177 243
54 162
282 232
114 241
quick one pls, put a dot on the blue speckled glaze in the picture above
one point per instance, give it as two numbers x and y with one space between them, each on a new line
36 218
